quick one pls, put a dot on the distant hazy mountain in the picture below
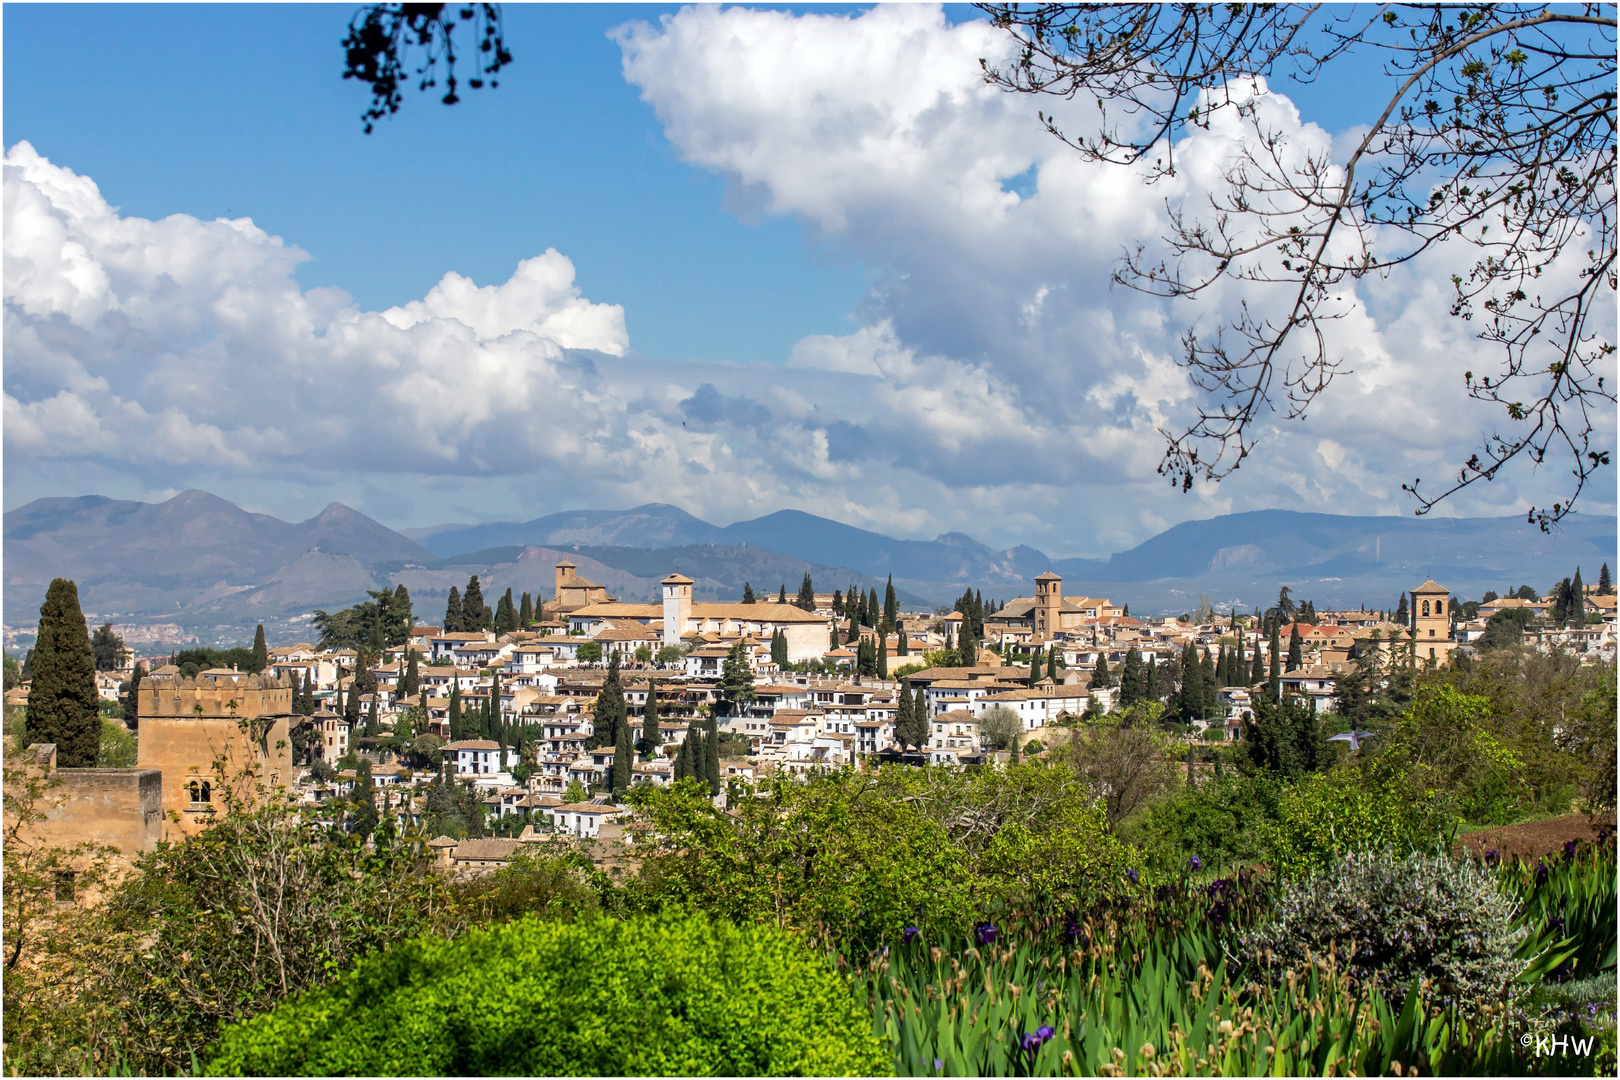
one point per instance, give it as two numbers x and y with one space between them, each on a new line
207 565
195 558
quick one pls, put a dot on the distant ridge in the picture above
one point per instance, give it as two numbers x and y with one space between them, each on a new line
205 564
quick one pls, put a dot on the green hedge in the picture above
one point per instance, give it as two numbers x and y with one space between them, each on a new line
673 995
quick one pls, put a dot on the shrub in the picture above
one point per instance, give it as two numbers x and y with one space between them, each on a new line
1326 815
1422 917
671 995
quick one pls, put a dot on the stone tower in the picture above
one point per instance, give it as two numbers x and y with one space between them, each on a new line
239 721
1048 602
1431 621
677 607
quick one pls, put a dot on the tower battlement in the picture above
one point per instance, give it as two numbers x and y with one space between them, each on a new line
214 697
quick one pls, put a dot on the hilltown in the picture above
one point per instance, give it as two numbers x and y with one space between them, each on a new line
524 720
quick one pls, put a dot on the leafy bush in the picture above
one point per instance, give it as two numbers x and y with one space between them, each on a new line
1225 820
1327 815
117 746
1422 917
676 995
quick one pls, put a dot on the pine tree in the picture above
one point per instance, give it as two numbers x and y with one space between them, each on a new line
1052 664
1402 618
474 613
1102 678
619 779
807 594
1605 582
63 706
261 652
453 617
525 612
456 725
748 593
711 757
1296 651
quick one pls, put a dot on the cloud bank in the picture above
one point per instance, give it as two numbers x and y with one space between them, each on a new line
997 384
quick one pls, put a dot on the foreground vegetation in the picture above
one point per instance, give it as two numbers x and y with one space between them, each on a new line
1089 911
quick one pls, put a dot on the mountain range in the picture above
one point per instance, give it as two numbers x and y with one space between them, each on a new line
211 569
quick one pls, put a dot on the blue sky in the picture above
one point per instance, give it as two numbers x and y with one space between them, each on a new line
788 272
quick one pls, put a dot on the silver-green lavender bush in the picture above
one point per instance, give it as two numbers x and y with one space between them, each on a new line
1422 917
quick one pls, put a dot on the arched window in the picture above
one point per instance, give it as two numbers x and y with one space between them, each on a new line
1425 607
207 791
1439 607
194 789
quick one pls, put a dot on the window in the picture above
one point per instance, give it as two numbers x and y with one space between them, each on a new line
1425 607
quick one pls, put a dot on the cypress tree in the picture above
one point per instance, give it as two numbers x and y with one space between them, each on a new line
456 732
807 594
901 646
1102 678
1130 679
1221 668
873 611
351 707
650 734
1035 666
373 722
711 757
1051 664
1401 616
609 713
748 593
1605 582
1150 679
1275 673
838 604
453 618
63 706
1296 651
1192 677
505 614
1209 687
497 718
696 760
1577 600
411 683
261 652
525 612
474 613
781 593
919 718
401 613
891 604
881 647
133 697
902 712
619 780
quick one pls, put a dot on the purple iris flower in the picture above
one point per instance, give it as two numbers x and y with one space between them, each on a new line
1196 863
1541 873
1132 875
910 935
1569 849
1492 857
986 933
1072 932
938 1064
1032 1042
1217 886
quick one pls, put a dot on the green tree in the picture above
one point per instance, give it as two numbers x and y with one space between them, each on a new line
1605 582
364 800
475 614
1101 677
711 757
1275 677
1035 667
610 712
748 593
881 648
891 606
619 779
736 678
261 651
651 735
525 612
590 652
902 711
919 718
1130 679
505 614
807 594
1052 657
457 725
1000 727
781 594
108 648
63 706
454 619
411 682
1296 651
130 693
1403 616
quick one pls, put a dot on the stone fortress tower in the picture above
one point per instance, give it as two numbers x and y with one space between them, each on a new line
241 721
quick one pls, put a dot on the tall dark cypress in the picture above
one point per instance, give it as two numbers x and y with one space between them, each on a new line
525 612
1192 679
650 733
474 614
1035 667
919 717
1130 679
1150 679
1256 673
496 716
891 604
373 721
902 711
1275 679
1102 678
411 682
748 593
456 724
711 757
874 611
453 617
63 706
1051 664
807 594
261 652
1296 652
620 777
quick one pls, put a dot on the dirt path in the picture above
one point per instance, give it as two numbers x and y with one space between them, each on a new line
1537 838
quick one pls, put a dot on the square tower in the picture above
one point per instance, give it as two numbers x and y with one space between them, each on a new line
1048 603
677 607
1431 621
